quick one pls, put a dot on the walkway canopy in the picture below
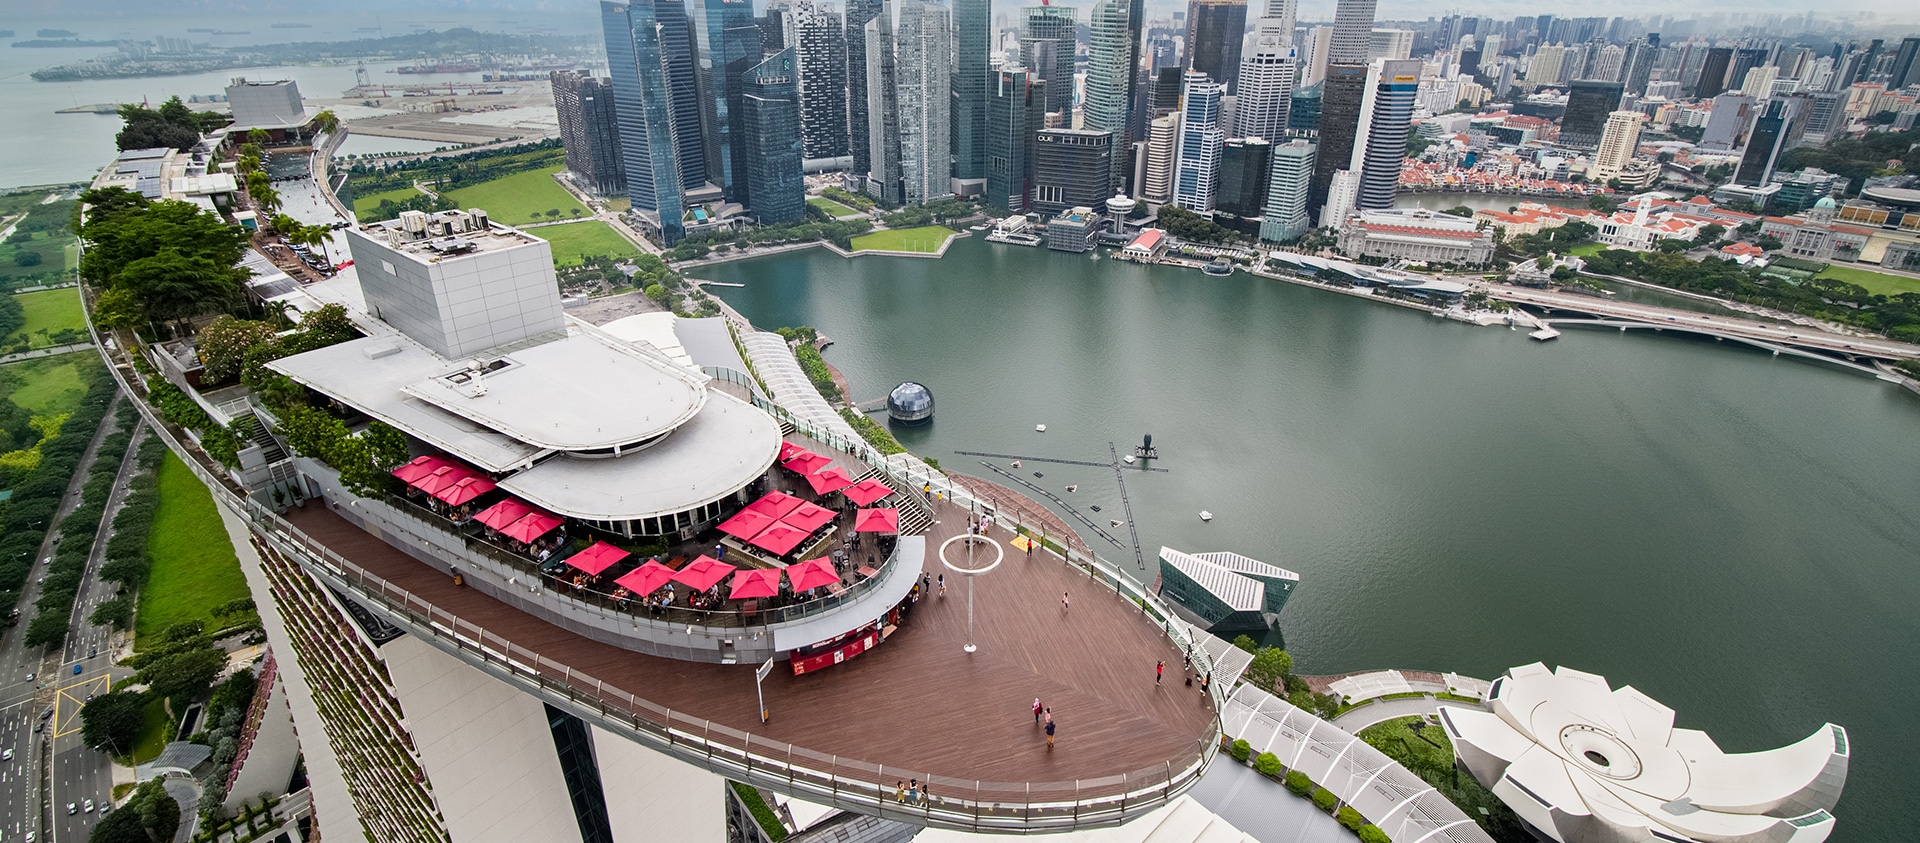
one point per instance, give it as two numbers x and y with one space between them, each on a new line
703 573
808 518
756 582
420 467
877 521
775 505
865 492
746 524
531 526
646 579
597 558
465 489
502 515
807 462
831 480
779 539
812 573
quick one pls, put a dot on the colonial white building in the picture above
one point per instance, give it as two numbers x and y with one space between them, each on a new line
1641 229
1814 235
1417 235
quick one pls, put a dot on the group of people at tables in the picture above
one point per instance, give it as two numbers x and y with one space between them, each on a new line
700 584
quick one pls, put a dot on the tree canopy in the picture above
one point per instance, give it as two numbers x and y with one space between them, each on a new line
113 721
159 261
173 124
150 816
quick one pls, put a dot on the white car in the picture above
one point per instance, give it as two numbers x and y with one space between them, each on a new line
72 809
6 755
88 807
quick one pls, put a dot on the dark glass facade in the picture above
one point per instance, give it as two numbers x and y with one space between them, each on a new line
972 30
1242 188
1588 104
1340 98
1016 109
770 138
590 131
858 143
1713 72
728 43
574 744
1071 168
646 109
1215 30
1304 115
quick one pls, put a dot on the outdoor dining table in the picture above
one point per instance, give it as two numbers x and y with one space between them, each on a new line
866 571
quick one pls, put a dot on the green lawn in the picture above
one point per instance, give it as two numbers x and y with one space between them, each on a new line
519 198
371 201
926 238
1587 250
577 240
153 731
831 207
50 310
1875 282
52 385
194 567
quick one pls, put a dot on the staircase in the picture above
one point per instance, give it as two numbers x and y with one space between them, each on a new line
248 425
916 515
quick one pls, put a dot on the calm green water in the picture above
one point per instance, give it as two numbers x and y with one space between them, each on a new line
1734 534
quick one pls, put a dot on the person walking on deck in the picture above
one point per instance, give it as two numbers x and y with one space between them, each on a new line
1036 711
1049 729
1159 670
1064 605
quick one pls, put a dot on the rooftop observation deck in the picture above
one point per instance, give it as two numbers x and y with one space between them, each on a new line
915 707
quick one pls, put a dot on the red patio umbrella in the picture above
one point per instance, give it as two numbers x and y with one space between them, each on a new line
877 521
502 514
647 578
702 573
867 491
756 582
599 557
808 518
779 539
775 505
531 526
465 489
440 478
812 573
419 467
807 462
788 451
831 480
746 524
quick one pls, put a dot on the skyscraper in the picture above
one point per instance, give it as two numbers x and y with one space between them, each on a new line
972 32
1779 120
1640 59
1713 72
1343 191
1617 145
1340 96
590 131
1200 141
646 45
1303 117
1588 104
1545 69
859 134
883 110
1386 118
1070 168
1315 46
1266 83
1352 32
818 38
1215 29
771 141
727 42
1048 41
1285 215
1113 40
1016 109
925 92
1162 140
1240 192
1906 64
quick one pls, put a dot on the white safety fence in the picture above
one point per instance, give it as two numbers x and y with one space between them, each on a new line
1389 795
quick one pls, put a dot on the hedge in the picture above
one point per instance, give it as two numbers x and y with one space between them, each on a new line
1299 783
1267 763
1241 749
1324 799
871 431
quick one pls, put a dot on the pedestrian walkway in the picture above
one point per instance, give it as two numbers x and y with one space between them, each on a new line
50 351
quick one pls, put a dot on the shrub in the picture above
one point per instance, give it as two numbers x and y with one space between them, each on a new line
1324 799
1299 783
1267 763
1240 750
1350 818
1371 833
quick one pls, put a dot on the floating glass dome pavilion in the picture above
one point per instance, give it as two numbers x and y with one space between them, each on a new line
910 403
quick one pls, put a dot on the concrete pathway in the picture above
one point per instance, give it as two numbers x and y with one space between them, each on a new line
49 351
1380 711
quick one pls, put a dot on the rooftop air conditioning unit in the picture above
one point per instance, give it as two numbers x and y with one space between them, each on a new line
438 228
414 222
479 218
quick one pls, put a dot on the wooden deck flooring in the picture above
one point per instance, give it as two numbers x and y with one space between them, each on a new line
917 704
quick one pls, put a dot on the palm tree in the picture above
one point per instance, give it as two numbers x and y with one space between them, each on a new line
326 121
286 225
315 237
266 199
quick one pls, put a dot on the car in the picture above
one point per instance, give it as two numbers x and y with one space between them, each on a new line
106 808
87 808
93 653
29 837
72 809
6 755
29 677
76 670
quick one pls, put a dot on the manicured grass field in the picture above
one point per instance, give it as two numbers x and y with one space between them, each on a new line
519 198
52 310
153 731
926 238
574 241
194 567
831 207
52 385
1875 282
1587 250
371 201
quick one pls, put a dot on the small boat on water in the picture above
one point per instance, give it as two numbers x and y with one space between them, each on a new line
1205 515
1074 487
1016 463
1113 522
1128 459
1040 428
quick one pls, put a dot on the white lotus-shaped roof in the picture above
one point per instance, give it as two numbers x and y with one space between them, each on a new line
1582 762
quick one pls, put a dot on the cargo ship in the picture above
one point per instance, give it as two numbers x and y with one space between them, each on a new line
457 67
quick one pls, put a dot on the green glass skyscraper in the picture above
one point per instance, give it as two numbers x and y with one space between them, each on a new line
770 139
972 32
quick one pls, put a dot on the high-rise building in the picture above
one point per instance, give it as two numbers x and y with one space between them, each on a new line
1905 69
727 43
1713 72
1608 64
650 61
1316 46
1240 192
1070 169
1163 133
924 46
773 26
1200 141
1215 30
1016 109
590 131
1280 17
1168 83
1113 61
972 34
771 141
859 131
1303 117
1343 191
1386 118
1639 62
818 37
1389 44
1759 81
1352 32
884 176
1588 104
1285 215
1546 67
1266 83
1727 123
1778 122
1340 97
1617 146
1047 37
1745 59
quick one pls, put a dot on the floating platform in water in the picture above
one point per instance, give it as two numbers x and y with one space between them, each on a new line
1545 333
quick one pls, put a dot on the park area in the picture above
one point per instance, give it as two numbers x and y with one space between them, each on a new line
363 205
48 312
926 238
574 242
194 569
520 198
832 208
48 386
1878 283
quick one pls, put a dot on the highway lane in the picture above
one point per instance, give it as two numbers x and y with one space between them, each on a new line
1796 335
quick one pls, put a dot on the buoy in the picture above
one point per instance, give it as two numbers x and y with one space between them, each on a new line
1040 428
1205 515
1128 459
1074 488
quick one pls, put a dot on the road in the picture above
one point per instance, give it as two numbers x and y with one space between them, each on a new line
24 700
1794 335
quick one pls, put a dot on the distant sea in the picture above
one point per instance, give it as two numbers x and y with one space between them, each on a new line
40 147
